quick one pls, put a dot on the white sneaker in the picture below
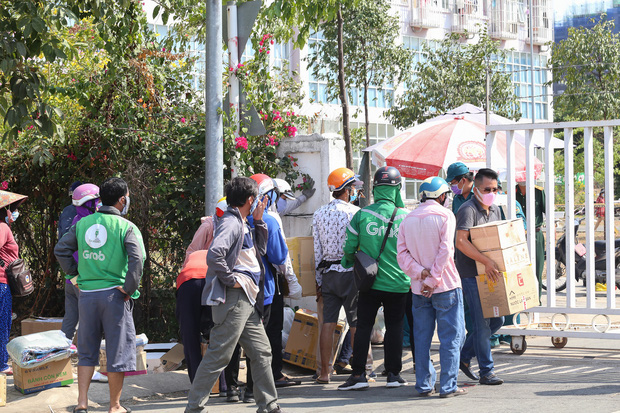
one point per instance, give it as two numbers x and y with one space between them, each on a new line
99 377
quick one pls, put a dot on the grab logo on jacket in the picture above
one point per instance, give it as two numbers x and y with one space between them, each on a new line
96 236
373 228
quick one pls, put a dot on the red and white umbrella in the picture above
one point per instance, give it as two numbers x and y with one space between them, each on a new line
425 149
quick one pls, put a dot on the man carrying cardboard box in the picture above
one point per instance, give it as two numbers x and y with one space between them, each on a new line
476 211
437 295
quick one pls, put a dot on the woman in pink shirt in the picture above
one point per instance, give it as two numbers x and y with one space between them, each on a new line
9 252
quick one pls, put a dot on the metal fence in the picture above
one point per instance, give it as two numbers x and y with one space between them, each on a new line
573 302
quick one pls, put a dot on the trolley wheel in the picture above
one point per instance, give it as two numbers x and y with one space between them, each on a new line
518 345
559 342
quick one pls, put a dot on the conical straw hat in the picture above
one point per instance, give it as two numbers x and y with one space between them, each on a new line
8 198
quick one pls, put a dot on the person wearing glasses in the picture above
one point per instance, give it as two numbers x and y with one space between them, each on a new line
477 211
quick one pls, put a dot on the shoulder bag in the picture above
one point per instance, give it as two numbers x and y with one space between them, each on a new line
365 267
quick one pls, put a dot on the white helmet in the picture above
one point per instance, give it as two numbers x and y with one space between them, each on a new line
284 188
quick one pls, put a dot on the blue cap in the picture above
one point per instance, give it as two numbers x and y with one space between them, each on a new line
456 169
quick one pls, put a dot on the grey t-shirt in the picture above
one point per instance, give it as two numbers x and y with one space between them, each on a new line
471 214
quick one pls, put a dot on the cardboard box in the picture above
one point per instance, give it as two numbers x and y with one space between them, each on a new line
301 250
2 389
39 324
508 259
497 235
303 340
516 291
216 386
171 360
53 374
140 363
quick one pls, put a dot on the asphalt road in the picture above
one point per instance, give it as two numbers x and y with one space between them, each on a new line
582 377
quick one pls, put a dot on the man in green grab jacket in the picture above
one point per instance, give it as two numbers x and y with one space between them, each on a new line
111 259
366 232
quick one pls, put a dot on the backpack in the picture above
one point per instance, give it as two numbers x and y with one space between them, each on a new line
19 278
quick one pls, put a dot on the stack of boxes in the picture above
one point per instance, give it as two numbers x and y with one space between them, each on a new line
517 290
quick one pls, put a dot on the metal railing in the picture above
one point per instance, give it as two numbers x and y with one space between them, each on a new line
504 20
543 22
466 14
426 13
574 301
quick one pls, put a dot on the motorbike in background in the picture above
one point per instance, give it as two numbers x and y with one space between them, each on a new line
579 256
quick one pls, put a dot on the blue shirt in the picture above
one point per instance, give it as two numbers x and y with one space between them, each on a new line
277 251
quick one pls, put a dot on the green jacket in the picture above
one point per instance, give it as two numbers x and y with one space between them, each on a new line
110 249
366 231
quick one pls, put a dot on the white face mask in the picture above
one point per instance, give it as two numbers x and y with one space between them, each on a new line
126 207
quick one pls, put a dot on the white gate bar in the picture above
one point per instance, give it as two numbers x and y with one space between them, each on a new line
510 176
610 217
569 217
588 166
550 217
553 125
530 196
490 142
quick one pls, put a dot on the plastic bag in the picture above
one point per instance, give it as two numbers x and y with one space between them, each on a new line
289 316
37 349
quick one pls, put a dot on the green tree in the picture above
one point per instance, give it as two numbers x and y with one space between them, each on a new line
587 63
454 74
371 56
303 17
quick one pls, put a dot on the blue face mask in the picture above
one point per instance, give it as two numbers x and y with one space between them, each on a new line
353 196
14 216
126 207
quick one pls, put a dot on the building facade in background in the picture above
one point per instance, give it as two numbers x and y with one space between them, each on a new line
426 22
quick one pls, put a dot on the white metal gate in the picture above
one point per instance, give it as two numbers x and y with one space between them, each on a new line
559 305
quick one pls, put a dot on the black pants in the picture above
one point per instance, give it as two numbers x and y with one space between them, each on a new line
273 328
394 311
231 372
194 321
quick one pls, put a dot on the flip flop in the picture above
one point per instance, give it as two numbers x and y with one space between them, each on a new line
127 409
76 410
319 381
286 382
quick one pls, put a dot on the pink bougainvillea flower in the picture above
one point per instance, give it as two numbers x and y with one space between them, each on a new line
261 42
4 185
241 143
182 120
72 156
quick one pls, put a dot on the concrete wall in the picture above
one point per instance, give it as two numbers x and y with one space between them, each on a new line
317 155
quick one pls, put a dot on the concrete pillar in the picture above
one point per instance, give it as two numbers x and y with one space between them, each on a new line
317 155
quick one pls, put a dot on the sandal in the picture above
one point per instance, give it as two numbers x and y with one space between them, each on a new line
8 371
457 392
76 410
286 382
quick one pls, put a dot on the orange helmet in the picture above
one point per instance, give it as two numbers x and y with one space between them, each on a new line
339 178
